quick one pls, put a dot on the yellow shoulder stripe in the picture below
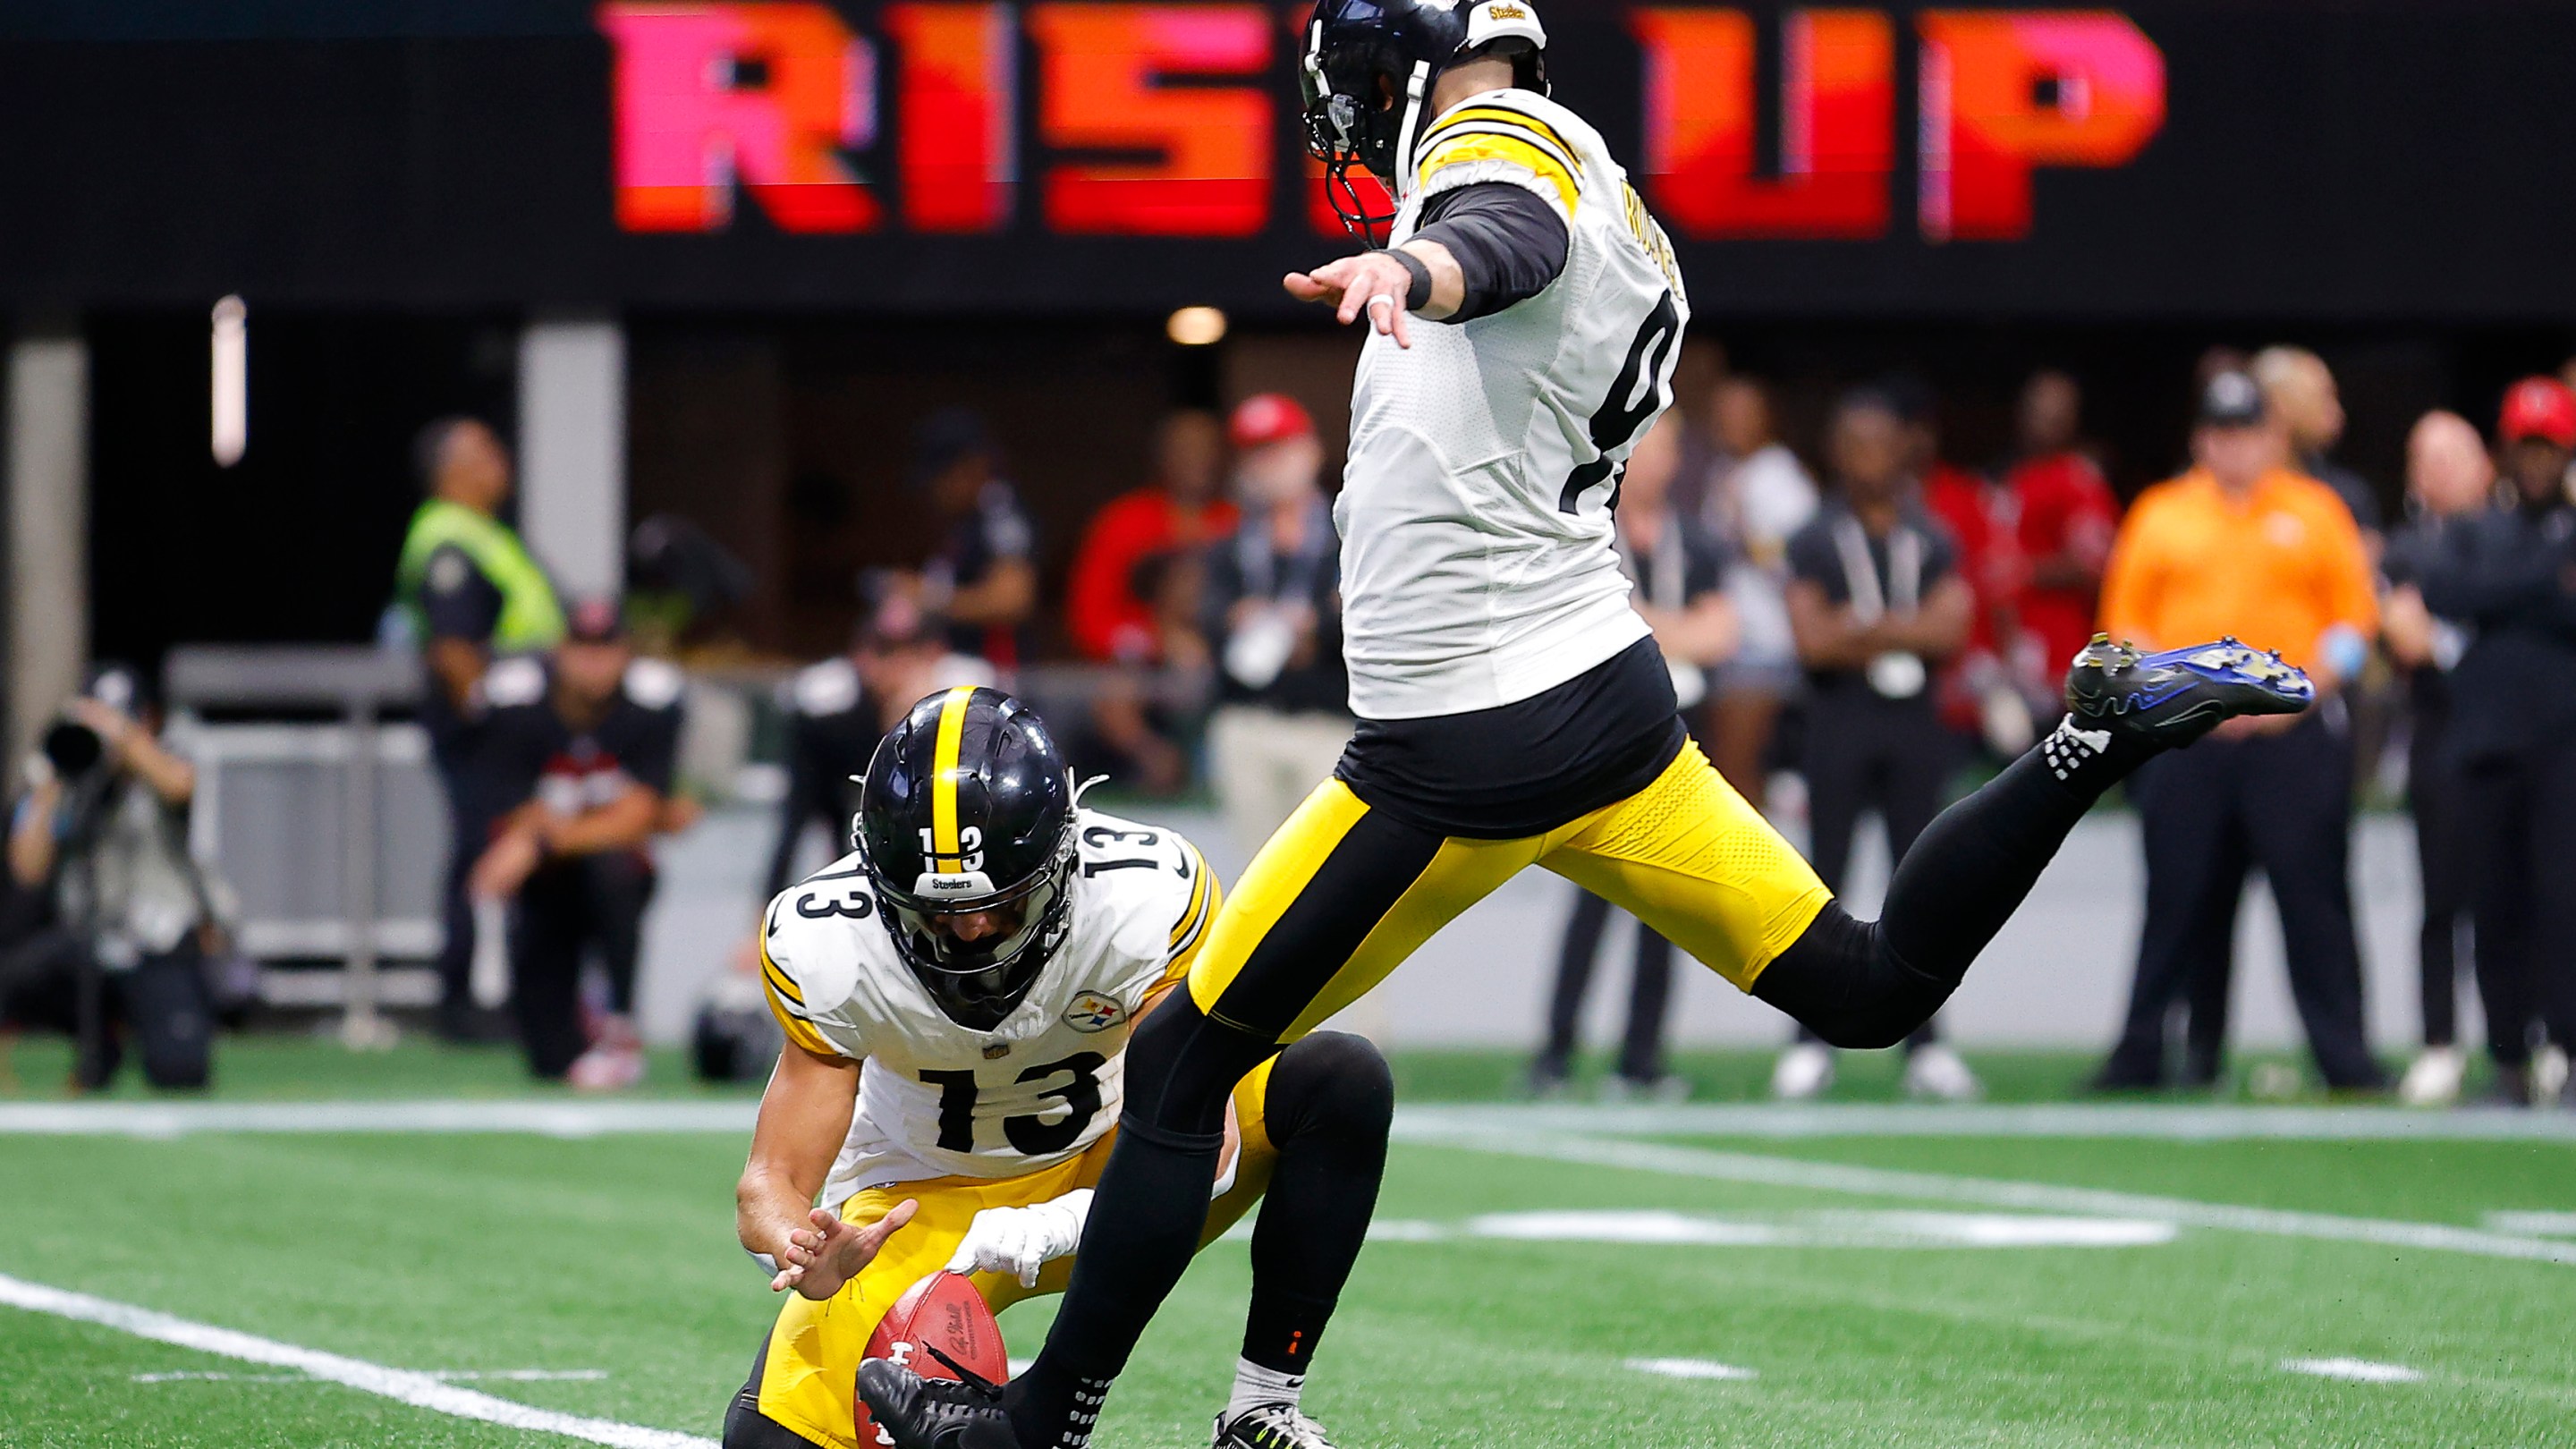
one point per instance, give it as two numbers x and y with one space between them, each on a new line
778 980
1197 908
1461 150
1506 116
799 1030
1192 933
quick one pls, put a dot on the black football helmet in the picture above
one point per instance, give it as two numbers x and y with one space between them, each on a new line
1368 67
968 809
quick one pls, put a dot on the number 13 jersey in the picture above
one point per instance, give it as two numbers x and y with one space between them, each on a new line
1477 567
937 1099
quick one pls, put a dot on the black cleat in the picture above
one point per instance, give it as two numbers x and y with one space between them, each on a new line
1269 1426
2174 698
925 1413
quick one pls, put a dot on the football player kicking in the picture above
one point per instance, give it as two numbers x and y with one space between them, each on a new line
1512 708
958 995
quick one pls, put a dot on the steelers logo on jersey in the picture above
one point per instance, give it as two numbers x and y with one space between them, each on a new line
1093 1011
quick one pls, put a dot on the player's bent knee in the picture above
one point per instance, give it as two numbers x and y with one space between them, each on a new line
1330 1081
1847 985
1181 1068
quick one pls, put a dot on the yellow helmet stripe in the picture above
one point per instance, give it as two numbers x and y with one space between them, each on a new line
943 780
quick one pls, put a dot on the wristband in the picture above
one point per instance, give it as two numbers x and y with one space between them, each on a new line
1418 296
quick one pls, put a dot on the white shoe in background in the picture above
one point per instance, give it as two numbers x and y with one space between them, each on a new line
2548 1074
2433 1078
1935 1071
1803 1071
615 1061
606 1068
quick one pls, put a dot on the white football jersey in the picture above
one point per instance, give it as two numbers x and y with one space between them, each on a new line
937 1099
1477 566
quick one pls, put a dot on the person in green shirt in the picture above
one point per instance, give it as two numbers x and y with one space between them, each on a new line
470 593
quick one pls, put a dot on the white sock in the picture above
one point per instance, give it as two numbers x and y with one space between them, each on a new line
1255 1385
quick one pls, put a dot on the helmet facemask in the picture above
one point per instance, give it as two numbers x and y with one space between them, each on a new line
977 983
1355 114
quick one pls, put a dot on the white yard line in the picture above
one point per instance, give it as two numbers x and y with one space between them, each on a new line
541 1118
2354 1370
1750 1167
418 1389
1690 1368
572 1118
2207 1122
2537 1224
445 1376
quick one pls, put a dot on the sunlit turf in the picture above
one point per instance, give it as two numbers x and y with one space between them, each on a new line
616 1254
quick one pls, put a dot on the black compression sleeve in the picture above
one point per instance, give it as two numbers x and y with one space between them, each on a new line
1508 242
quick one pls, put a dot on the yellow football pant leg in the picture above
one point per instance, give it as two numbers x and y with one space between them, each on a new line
1696 862
1340 896
809 1376
1458 873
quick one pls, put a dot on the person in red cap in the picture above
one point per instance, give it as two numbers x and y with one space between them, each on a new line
2505 575
1273 609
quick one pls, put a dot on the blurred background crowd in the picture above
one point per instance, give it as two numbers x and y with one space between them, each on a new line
1859 616
479 479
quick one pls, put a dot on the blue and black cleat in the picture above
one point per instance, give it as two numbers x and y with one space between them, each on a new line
2174 698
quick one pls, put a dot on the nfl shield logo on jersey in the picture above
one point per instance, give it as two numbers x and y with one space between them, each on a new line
1094 1011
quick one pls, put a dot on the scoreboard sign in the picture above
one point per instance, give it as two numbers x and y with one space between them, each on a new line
2161 158
789 102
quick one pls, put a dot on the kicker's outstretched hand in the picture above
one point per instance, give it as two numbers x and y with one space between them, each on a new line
1372 282
828 1253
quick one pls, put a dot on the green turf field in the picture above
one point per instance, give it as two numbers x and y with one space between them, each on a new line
1541 1280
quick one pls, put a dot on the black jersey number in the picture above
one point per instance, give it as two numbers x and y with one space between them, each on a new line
1032 1135
1102 835
823 905
1619 420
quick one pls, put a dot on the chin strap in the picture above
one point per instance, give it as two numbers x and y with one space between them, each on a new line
1414 90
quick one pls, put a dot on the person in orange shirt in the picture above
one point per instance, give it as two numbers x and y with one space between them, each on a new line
2242 545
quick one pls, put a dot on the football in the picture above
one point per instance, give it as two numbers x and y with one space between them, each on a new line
942 1311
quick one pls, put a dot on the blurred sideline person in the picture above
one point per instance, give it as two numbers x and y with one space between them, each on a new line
1109 618
1133 598
983 578
471 594
1971 694
2449 478
1878 603
1513 710
2508 575
1678 572
1756 497
835 712
103 832
2064 517
958 994
2300 388
2245 545
577 756
1273 609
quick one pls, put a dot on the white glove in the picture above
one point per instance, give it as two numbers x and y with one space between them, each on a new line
1019 1241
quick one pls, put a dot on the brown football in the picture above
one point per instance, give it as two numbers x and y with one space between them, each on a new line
944 1312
